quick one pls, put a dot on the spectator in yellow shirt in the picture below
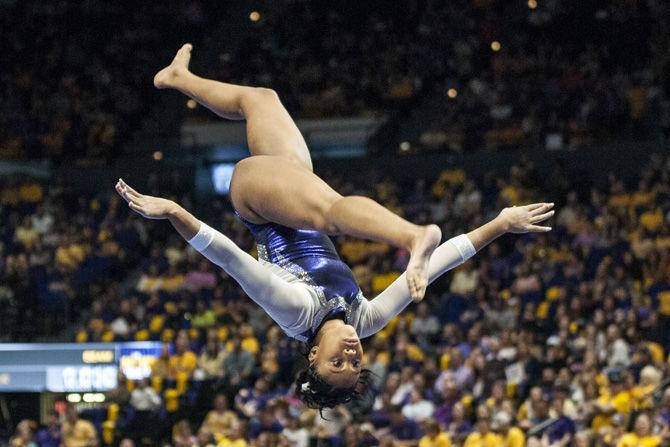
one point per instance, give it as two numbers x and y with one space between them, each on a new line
78 432
616 400
221 420
642 436
434 437
183 361
25 233
511 436
236 439
483 437
652 219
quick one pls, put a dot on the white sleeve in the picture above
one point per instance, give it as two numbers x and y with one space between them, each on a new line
288 304
378 312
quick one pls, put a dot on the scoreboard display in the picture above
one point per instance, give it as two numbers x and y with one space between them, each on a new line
73 367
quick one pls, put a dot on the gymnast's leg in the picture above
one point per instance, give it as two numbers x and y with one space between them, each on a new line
277 184
270 129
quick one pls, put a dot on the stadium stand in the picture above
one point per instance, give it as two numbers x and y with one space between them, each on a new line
557 339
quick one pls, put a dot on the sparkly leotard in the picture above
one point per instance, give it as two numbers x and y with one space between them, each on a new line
310 257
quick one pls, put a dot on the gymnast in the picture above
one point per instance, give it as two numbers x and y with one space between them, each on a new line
299 279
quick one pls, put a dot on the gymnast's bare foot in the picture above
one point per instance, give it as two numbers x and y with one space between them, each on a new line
425 243
167 77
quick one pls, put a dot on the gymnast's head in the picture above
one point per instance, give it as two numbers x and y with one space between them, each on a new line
334 374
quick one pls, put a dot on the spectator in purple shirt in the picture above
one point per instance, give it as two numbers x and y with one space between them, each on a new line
49 436
402 428
564 428
266 422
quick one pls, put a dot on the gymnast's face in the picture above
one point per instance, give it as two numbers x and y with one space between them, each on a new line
338 355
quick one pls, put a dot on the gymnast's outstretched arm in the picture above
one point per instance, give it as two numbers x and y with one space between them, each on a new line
451 254
284 302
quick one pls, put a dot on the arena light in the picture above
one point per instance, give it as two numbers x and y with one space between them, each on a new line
405 146
73 398
191 104
94 397
452 93
158 155
255 16
532 4
495 46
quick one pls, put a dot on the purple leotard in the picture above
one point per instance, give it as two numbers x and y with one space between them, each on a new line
311 257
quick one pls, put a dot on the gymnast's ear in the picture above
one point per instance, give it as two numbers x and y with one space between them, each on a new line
312 353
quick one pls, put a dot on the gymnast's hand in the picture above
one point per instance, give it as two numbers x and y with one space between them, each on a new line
524 219
148 206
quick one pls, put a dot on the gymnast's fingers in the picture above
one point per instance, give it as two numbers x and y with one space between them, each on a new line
537 229
137 208
131 191
544 207
534 206
541 217
122 192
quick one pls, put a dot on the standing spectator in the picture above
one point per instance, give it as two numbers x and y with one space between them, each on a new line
50 436
77 432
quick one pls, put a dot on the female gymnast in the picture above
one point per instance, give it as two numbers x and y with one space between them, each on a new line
299 279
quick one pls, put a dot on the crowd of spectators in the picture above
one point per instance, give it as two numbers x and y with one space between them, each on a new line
553 74
76 77
552 339
498 73
486 73
58 248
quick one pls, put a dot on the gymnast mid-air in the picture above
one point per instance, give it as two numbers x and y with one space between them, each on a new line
299 279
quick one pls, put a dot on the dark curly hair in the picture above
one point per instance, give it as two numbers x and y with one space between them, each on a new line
316 393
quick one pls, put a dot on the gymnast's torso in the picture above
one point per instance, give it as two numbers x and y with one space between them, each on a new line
310 257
